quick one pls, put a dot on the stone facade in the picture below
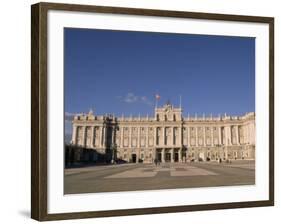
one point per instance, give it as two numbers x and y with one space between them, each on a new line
166 137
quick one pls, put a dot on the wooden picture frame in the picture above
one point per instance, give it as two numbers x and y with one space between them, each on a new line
39 110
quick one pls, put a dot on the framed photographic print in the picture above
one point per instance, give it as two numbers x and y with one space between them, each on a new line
141 111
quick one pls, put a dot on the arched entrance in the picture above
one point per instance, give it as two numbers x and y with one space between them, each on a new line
168 157
134 158
176 157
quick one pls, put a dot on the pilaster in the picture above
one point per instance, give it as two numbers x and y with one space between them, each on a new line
121 137
212 136
74 135
163 156
237 135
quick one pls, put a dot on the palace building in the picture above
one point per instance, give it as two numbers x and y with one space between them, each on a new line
166 137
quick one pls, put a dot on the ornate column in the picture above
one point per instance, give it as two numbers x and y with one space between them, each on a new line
130 137
163 134
204 136
121 137
104 136
101 136
253 133
230 135
155 136
226 135
172 135
172 155
196 136
139 136
184 136
137 156
113 136
84 136
189 136
163 156
220 140
212 136
180 155
237 135
92 136
246 139
248 134
74 135
180 136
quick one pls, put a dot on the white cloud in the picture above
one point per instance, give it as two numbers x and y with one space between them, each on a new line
132 98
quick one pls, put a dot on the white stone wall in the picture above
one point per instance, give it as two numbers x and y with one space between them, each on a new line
213 137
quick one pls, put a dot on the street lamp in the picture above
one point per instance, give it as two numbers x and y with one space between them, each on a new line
113 151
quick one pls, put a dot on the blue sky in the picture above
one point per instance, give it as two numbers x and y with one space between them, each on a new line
120 72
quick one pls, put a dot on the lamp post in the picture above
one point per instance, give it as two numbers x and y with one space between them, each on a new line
113 151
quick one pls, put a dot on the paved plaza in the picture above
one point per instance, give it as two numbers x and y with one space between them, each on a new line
133 177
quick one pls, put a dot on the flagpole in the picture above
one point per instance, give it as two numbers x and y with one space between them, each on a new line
180 101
